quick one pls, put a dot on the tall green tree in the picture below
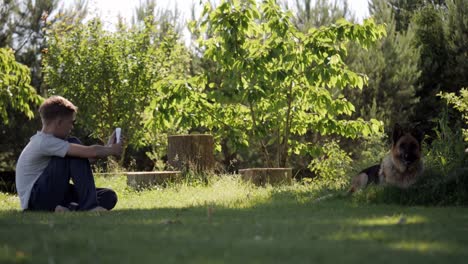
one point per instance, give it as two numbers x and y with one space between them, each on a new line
317 13
457 39
7 9
392 67
167 21
275 80
403 11
430 36
25 29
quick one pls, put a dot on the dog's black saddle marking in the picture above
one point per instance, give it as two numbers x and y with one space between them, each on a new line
372 174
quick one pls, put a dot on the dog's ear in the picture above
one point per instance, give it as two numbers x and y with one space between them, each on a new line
397 133
418 134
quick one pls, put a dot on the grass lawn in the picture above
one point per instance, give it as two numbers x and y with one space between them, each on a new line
232 222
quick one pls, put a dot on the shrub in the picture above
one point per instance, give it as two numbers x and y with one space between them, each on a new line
331 166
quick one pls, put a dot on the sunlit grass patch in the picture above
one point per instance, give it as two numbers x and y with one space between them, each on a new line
228 191
226 220
9 201
398 219
425 246
359 235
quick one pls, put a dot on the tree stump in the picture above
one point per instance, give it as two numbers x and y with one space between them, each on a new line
144 179
191 152
263 176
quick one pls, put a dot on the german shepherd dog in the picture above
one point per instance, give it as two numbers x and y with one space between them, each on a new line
401 167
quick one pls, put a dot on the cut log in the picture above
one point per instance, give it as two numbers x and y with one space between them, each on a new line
191 152
262 176
145 179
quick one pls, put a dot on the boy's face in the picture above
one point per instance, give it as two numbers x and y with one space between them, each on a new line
64 125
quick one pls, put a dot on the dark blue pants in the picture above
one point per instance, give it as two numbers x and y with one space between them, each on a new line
53 186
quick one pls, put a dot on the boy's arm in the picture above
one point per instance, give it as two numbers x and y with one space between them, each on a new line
112 140
94 151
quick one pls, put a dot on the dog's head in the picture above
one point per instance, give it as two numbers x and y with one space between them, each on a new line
406 147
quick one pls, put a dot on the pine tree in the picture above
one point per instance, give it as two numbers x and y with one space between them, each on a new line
165 20
403 11
24 24
7 9
457 39
316 13
392 69
431 37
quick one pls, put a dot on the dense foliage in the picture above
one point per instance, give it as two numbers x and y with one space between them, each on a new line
111 76
277 85
16 91
272 84
460 103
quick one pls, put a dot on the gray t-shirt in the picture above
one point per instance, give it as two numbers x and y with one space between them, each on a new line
34 159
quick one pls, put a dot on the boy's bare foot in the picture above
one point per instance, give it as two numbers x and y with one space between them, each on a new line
98 209
61 209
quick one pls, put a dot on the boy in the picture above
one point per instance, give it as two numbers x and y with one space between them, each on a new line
51 159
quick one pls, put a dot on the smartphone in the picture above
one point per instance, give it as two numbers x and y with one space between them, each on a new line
118 131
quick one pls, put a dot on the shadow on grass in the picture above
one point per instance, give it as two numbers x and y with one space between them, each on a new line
433 189
277 231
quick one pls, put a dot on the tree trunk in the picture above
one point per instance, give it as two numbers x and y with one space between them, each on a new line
191 152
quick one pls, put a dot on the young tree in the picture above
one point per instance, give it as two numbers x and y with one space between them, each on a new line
460 103
275 81
111 76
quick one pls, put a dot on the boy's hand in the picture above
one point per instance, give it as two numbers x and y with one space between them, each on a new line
116 149
112 139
